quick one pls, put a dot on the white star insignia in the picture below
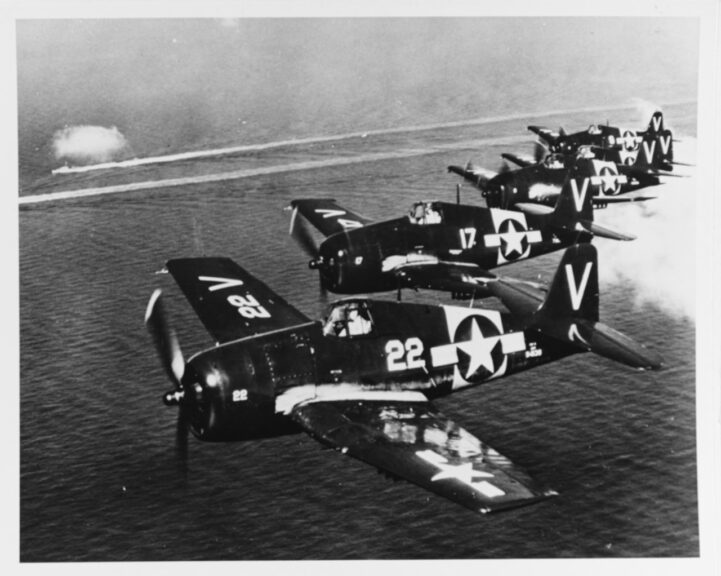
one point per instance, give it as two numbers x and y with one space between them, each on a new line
609 181
461 472
479 349
513 239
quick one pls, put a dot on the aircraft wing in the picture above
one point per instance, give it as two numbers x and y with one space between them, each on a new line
544 133
473 173
522 162
403 434
229 301
327 216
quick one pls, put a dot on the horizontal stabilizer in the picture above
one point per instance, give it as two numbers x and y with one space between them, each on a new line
600 339
604 200
663 174
598 230
609 343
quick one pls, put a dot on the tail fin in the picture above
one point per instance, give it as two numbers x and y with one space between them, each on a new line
574 208
574 289
656 151
656 124
575 200
570 312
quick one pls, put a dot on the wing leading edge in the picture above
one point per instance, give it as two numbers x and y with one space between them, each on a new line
407 437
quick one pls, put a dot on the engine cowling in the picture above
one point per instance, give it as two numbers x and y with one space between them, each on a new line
226 397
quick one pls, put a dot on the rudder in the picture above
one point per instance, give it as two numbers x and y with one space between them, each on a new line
575 202
656 123
574 289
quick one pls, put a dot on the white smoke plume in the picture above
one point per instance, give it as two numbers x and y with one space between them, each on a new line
81 145
645 110
660 265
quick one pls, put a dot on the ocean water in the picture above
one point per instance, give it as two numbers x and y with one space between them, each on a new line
100 477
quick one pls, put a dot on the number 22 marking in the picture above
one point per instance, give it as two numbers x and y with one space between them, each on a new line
412 350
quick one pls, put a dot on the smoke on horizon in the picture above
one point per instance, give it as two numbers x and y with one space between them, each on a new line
82 145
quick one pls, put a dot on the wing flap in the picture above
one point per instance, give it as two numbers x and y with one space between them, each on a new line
328 216
230 302
412 440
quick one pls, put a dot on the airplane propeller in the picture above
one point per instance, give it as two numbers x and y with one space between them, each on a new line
300 233
165 340
539 152
171 357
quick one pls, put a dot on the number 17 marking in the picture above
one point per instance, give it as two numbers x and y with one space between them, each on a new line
468 237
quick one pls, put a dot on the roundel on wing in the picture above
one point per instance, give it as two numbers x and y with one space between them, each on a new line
514 243
479 348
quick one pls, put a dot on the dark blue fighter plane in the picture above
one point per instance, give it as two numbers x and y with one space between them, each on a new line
363 380
441 245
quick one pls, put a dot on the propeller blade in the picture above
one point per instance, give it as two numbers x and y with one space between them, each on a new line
181 438
300 233
322 291
166 342
539 152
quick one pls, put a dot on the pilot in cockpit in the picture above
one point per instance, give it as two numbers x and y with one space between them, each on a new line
423 213
352 319
553 161
594 129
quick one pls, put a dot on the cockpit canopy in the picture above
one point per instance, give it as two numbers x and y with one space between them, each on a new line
349 318
594 129
585 152
554 161
423 213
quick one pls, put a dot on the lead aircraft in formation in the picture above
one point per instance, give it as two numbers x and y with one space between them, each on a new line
362 381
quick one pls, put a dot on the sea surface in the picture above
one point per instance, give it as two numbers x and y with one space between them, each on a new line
100 477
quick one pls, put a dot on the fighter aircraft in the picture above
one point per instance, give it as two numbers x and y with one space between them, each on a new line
540 182
440 245
622 140
361 381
